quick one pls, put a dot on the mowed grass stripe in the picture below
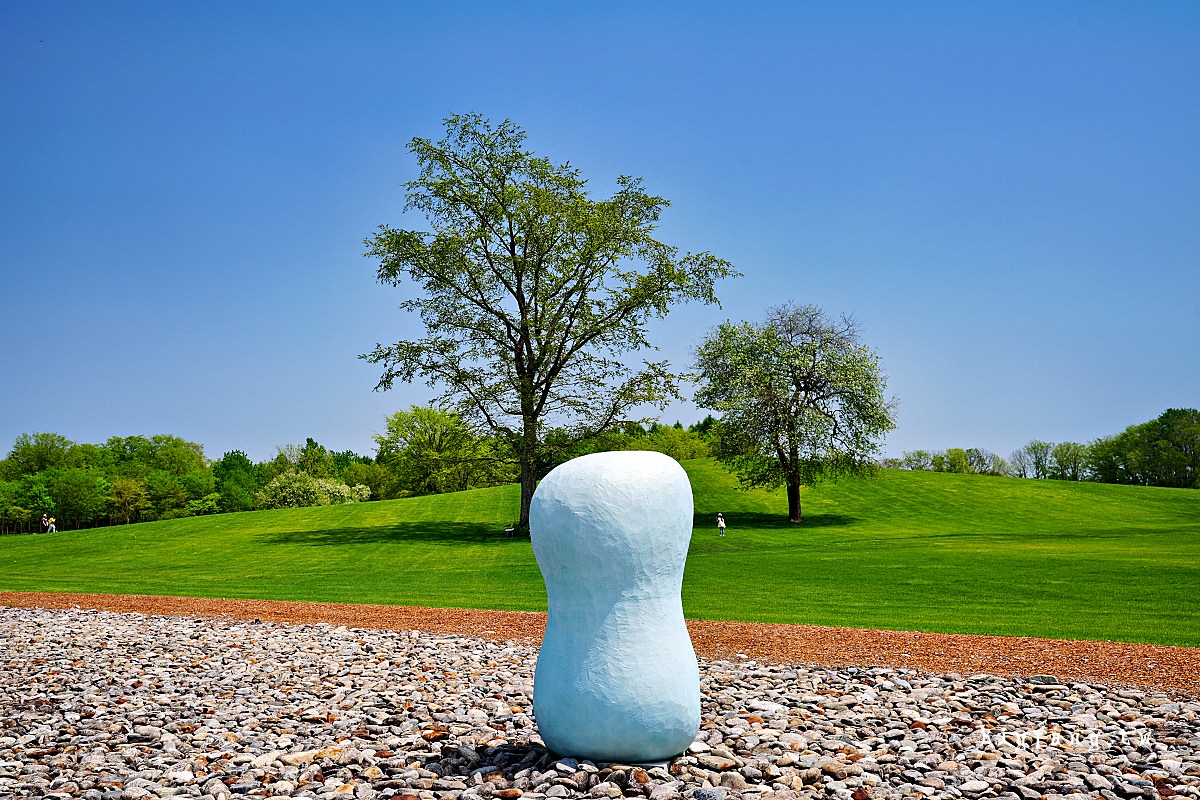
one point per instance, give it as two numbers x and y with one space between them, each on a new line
906 551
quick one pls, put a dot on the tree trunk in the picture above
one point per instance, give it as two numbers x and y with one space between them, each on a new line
528 460
528 484
793 493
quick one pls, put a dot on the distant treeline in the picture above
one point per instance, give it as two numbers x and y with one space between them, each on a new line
140 479
1162 452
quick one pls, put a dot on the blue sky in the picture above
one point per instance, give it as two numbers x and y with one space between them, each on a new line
1006 196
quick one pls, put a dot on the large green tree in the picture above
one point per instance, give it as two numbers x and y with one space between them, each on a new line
531 293
801 399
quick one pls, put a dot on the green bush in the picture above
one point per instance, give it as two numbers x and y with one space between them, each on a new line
301 490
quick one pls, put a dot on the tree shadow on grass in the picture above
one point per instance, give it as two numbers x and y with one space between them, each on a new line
437 534
779 522
456 534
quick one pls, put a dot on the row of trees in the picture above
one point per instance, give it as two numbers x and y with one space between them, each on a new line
428 450
968 461
124 479
1162 452
139 479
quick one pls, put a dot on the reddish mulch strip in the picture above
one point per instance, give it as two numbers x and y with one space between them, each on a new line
1175 670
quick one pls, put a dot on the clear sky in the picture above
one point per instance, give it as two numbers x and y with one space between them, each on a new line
1006 196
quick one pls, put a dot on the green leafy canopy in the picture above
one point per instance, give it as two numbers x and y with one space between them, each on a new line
529 290
800 398
525 275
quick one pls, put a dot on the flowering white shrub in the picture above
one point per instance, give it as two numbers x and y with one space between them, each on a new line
340 493
301 490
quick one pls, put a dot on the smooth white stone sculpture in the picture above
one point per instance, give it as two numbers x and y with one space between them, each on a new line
616 678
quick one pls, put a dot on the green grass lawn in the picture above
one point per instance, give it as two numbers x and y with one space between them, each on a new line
907 551
955 553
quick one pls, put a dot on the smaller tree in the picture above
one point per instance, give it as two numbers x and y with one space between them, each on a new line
346 459
1019 464
674 441
1038 454
995 465
79 496
801 399
167 495
431 450
32 494
316 460
373 475
919 460
10 510
38 452
312 459
14 518
235 478
1068 461
981 462
959 461
128 499
704 427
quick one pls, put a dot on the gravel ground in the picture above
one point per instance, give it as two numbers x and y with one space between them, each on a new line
107 706
1169 669
125 706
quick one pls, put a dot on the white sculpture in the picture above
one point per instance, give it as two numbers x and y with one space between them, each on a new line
616 678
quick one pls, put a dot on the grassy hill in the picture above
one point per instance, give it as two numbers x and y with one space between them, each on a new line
908 551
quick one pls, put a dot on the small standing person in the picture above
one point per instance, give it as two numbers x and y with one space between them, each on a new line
721 523
45 523
50 528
